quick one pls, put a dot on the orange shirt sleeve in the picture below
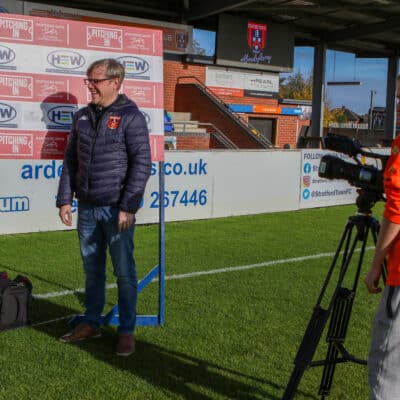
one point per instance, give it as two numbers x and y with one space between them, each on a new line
391 181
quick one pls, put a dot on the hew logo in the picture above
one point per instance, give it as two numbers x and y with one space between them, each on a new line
65 59
7 55
61 115
7 113
14 204
134 66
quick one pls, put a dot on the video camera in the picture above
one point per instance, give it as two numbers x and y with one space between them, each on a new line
366 177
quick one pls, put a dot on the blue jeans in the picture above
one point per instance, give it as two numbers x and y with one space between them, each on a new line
97 230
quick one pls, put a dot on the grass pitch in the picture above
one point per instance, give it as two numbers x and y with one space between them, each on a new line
230 334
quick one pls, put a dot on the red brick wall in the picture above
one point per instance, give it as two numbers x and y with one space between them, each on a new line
200 142
287 126
172 71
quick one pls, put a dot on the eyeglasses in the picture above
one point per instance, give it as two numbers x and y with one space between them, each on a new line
95 81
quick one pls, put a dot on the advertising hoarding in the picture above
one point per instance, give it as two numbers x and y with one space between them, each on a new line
239 83
42 65
316 191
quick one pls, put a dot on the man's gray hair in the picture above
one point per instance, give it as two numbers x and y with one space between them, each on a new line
114 69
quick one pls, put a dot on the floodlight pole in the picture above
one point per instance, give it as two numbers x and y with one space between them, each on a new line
371 102
317 117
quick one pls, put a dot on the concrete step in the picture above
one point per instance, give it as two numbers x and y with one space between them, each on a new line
190 130
185 125
180 116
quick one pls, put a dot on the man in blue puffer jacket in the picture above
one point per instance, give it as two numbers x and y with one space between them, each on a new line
106 166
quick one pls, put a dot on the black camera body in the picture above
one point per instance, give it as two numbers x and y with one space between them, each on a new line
366 177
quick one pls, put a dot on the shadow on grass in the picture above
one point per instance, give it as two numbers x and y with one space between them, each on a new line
178 373
9 268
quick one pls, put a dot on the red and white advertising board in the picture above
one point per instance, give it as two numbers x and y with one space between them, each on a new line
42 65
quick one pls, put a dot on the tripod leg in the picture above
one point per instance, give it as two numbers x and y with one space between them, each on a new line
336 334
316 324
341 312
306 350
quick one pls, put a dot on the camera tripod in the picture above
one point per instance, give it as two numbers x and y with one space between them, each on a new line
340 305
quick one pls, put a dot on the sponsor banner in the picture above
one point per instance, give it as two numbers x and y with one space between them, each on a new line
28 196
32 145
176 37
71 89
53 60
10 115
58 117
145 94
291 111
198 185
74 34
261 82
14 145
7 58
242 83
16 28
316 191
36 116
247 108
36 109
258 93
266 109
50 145
220 91
241 108
38 88
224 77
16 86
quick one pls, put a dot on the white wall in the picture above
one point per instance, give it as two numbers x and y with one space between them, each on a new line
198 184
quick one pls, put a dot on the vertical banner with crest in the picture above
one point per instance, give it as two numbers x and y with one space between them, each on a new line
256 36
42 65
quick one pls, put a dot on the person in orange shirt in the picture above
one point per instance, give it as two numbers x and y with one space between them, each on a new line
384 354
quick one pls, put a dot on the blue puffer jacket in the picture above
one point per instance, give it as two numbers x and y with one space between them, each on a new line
108 164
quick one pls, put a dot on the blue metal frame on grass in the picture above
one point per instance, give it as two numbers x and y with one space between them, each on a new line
111 318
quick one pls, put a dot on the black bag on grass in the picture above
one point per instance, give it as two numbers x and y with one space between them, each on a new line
15 298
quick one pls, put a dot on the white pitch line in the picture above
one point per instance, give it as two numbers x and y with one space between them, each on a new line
50 321
199 273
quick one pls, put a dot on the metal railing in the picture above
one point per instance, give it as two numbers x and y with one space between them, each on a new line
210 128
245 125
348 125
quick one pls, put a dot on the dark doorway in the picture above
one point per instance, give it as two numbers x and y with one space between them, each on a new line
266 126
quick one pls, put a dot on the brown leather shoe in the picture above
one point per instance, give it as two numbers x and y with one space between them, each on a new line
81 332
125 345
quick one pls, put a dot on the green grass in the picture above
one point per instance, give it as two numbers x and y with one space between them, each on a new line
232 335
